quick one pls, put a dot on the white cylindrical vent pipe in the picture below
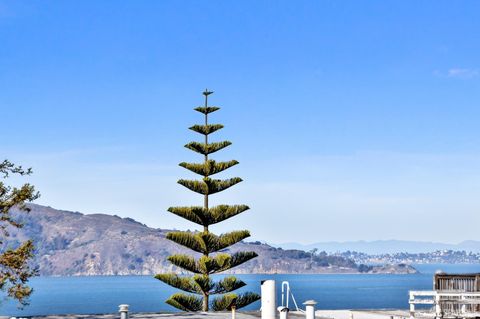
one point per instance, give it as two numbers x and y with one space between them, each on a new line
310 309
123 309
268 299
283 311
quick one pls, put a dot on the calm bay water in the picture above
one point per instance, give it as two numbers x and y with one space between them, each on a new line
103 294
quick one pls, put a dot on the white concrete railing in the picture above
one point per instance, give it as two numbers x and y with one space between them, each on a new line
445 304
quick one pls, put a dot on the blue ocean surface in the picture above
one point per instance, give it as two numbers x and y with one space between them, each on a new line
103 294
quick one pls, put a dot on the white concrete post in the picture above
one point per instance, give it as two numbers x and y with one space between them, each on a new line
123 309
234 311
438 307
268 299
310 309
283 312
412 305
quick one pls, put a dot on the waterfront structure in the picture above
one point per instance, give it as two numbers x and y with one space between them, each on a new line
453 296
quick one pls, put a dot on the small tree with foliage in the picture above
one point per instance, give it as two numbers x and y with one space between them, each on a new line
15 267
201 286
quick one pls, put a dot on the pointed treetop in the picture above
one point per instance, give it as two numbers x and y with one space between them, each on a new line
207 109
207 92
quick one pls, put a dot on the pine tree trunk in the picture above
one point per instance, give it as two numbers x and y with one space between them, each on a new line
205 205
205 302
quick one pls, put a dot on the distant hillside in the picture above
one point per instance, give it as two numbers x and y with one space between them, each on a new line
71 243
385 246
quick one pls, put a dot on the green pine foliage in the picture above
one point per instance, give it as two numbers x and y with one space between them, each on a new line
185 302
209 168
201 216
209 186
15 261
206 129
205 148
200 286
230 300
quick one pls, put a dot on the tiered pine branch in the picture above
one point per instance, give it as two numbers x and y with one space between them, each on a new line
200 286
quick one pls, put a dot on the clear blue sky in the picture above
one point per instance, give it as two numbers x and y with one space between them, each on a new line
352 120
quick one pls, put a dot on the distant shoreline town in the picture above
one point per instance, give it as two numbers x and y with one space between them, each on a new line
436 257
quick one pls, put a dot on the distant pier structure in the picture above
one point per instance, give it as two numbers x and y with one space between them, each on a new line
453 296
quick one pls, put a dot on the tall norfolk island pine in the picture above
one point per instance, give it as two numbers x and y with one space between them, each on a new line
200 286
